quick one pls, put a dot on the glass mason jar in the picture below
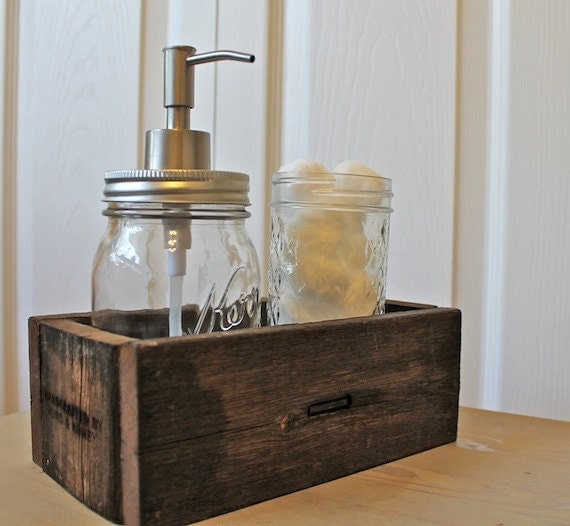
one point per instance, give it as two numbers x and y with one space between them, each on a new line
170 264
329 246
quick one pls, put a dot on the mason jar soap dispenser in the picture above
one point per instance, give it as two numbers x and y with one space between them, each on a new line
176 258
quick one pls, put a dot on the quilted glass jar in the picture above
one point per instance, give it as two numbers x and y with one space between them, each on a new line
329 246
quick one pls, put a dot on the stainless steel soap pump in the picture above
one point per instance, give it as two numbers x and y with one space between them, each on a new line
176 258
177 146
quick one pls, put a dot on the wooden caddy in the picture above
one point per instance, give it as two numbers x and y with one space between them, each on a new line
175 430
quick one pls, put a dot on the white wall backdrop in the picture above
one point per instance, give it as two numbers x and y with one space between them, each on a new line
462 103
512 235
535 354
77 115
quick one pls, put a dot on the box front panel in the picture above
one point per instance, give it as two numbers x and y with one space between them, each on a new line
225 421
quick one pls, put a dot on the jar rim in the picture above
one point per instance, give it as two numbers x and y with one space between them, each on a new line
177 186
319 177
332 190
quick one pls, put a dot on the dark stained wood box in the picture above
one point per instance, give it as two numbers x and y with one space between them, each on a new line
175 430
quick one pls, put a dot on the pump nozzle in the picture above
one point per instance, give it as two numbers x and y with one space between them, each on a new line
178 147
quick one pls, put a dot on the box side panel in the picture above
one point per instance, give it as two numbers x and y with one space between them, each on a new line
80 433
35 388
225 422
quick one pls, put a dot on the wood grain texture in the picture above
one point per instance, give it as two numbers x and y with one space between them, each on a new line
503 468
35 389
35 360
223 418
76 434
213 422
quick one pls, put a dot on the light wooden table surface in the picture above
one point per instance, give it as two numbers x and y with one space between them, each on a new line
503 470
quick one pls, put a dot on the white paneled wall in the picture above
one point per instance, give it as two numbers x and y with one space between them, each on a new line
535 364
472 161
5 131
77 114
463 104
513 225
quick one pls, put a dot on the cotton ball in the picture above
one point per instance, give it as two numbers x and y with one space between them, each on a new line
370 179
354 168
307 166
330 274
311 178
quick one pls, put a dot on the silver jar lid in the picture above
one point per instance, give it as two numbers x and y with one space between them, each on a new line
177 186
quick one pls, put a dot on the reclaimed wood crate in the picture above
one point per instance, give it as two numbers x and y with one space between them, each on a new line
175 430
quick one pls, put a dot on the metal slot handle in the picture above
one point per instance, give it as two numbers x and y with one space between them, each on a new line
330 406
